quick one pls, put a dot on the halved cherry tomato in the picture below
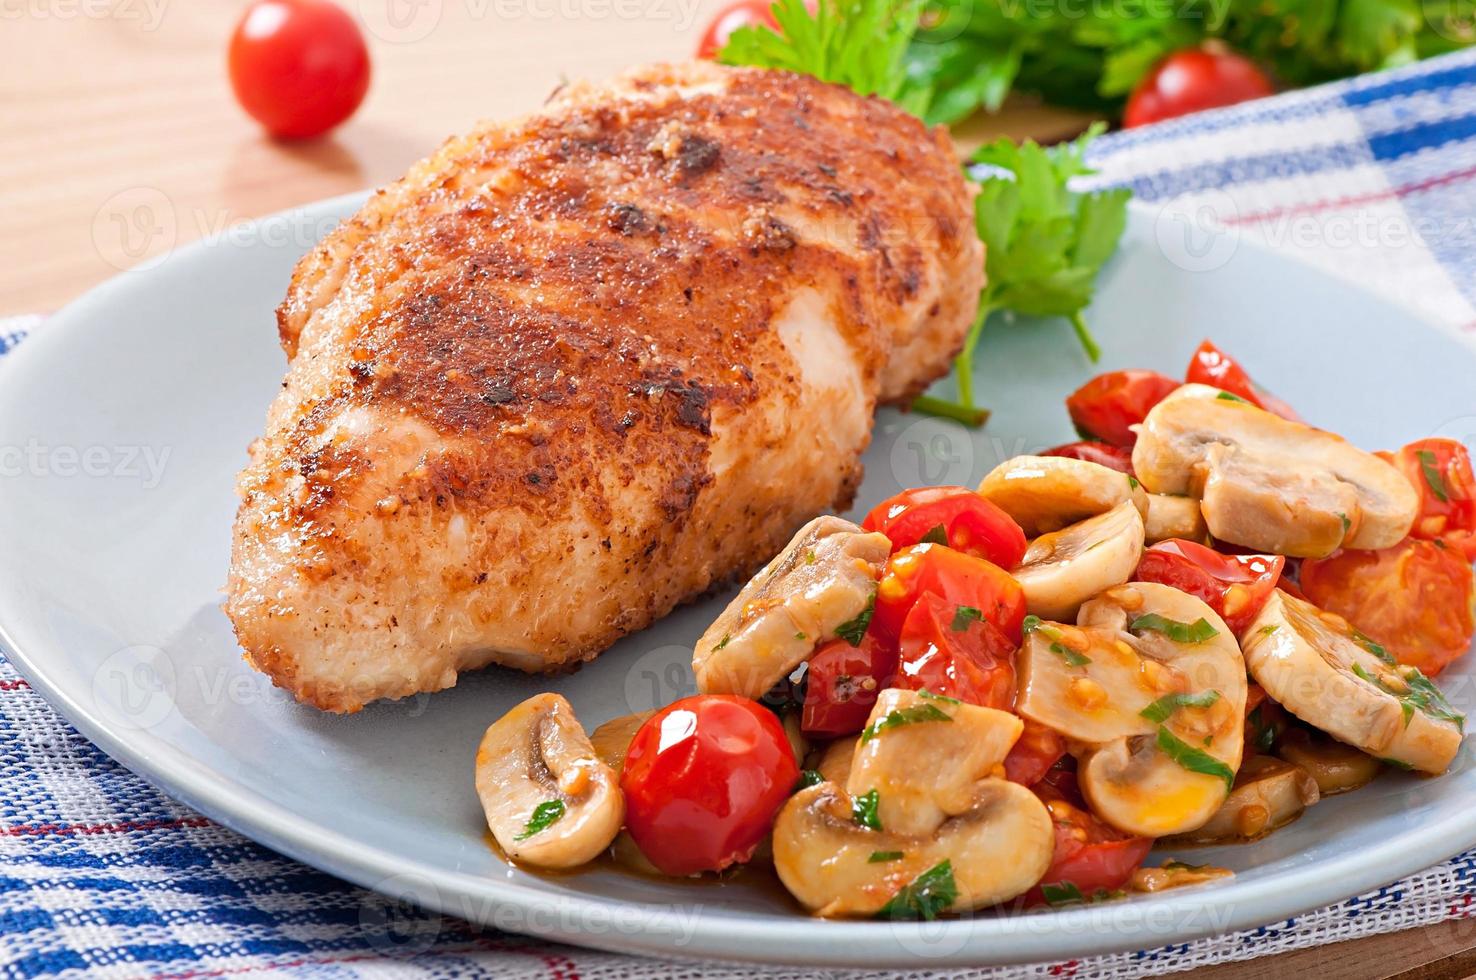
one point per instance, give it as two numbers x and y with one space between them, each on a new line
1440 470
1195 79
1089 854
950 650
1036 753
1212 366
842 683
955 516
740 13
1415 599
1105 406
1235 586
298 67
961 579
703 780
1112 457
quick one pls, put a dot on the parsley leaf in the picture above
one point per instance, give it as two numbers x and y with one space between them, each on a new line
1196 632
1034 624
854 630
1430 467
929 894
1160 710
1062 893
1193 759
937 534
1226 396
863 810
964 616
544 814
884 857
912 715
807 778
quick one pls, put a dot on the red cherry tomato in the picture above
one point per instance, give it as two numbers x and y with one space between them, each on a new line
1101 453
1192 80
1089 854
740 13
955 516
299 67
842 683
956 654
1212 366
1034 755
961 579
1440 470
1235 586
1105 406
1415 599
703 780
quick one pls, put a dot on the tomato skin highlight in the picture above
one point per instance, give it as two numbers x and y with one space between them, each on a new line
1414 599
703 780
298 67
842 684
1212 366
971 524
1235 586
1441 468
1101 453
974 664
1192 80
961 579
732 16
1105 406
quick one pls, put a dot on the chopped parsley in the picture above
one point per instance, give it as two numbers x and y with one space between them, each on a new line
1159 711
938 534
1264 733
1033 624
964 616
854 630
1396 764
1430 467
1196 632
884 857
938 697
800 635
912 715
544 815
1133 482
807 778
929 894
1422 695
1346 522
1268 630
863 810
810 558
1062 893
1193 759
722 643
1226 396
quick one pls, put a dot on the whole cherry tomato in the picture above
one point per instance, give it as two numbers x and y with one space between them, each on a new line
842 683
298 67
1415 599
951 650
1112 457
1192 80
1037 751
1212 366
961 579
703 780
1105 406
1440 470
740 13
1089 856
1235 586
955 516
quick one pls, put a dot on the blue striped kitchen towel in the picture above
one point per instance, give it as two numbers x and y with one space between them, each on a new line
102 875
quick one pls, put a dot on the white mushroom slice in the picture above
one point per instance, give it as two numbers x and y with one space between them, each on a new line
1335 679
996 849
612 739
834 764
822 581
1174 517
549 799
1335 767
1047 493
1063 569
1268 794
923 756
1150 689
1268 483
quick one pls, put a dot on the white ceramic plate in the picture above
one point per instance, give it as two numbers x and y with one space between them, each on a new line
132 411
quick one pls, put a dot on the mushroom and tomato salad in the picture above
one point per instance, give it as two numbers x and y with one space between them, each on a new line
1189 627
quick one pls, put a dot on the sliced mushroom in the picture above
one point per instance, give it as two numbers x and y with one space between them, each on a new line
549 799
1157 723
824 578
1174 517
1335 767
834 764
996 849
923 755
612 739
1268 483
1269 793
1047 493
1333 678
1063 569
1175 874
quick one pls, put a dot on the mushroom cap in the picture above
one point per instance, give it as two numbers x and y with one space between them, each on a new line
1318 668
1334 767
535 755
1269 793
925 770
1093 682
1268 483
825 577
1064 568
1047 493
998 848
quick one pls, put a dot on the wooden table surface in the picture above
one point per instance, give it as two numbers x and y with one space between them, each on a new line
119 138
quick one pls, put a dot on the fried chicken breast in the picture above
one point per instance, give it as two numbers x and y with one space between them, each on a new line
574 370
